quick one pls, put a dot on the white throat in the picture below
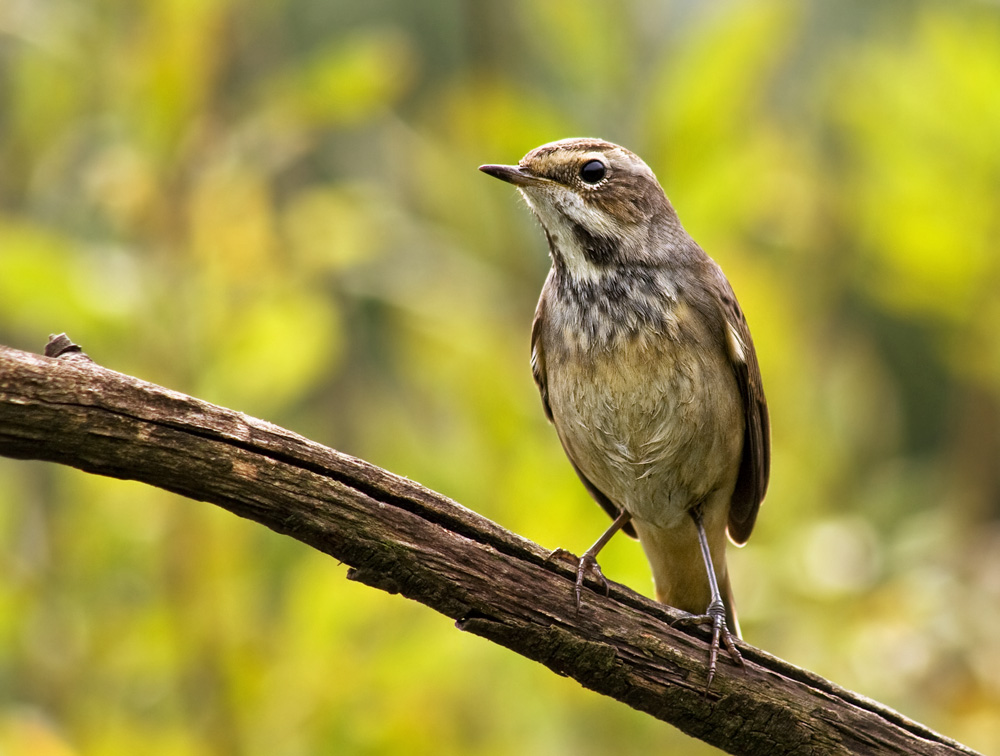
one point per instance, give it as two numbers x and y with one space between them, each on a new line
560 212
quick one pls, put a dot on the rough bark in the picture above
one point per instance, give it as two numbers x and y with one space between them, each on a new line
403 538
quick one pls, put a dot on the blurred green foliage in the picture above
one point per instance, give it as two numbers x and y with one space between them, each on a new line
275 206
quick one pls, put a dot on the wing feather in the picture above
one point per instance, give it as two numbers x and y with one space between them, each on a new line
755 464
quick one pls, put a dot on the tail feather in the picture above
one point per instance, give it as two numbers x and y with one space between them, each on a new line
679 571
732 622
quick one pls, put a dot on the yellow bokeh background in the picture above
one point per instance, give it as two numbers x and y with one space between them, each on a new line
275 207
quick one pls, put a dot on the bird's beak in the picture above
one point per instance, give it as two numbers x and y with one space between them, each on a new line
512 174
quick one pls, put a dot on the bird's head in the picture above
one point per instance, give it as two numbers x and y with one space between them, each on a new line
600 205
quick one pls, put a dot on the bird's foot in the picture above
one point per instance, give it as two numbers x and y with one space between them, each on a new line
586 563
715 616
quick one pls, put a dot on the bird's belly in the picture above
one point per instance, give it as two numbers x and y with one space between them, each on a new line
656 430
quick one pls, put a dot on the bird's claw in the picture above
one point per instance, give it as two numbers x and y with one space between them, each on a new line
586 563
715 616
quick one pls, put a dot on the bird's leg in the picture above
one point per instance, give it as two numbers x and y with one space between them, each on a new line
588 562
715 615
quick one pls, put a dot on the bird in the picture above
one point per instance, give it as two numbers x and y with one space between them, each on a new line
646 368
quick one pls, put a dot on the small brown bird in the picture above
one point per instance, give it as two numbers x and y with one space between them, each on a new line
647 370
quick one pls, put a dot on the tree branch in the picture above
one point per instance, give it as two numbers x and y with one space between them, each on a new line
403 538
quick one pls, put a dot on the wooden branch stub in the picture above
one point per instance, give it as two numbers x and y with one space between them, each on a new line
403 538
60 345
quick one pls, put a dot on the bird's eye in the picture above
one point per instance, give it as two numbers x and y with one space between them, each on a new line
593 171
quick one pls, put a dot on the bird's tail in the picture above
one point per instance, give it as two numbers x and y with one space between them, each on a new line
679 570
732 622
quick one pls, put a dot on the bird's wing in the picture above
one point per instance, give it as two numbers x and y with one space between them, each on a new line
538 371
755 465
538 358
